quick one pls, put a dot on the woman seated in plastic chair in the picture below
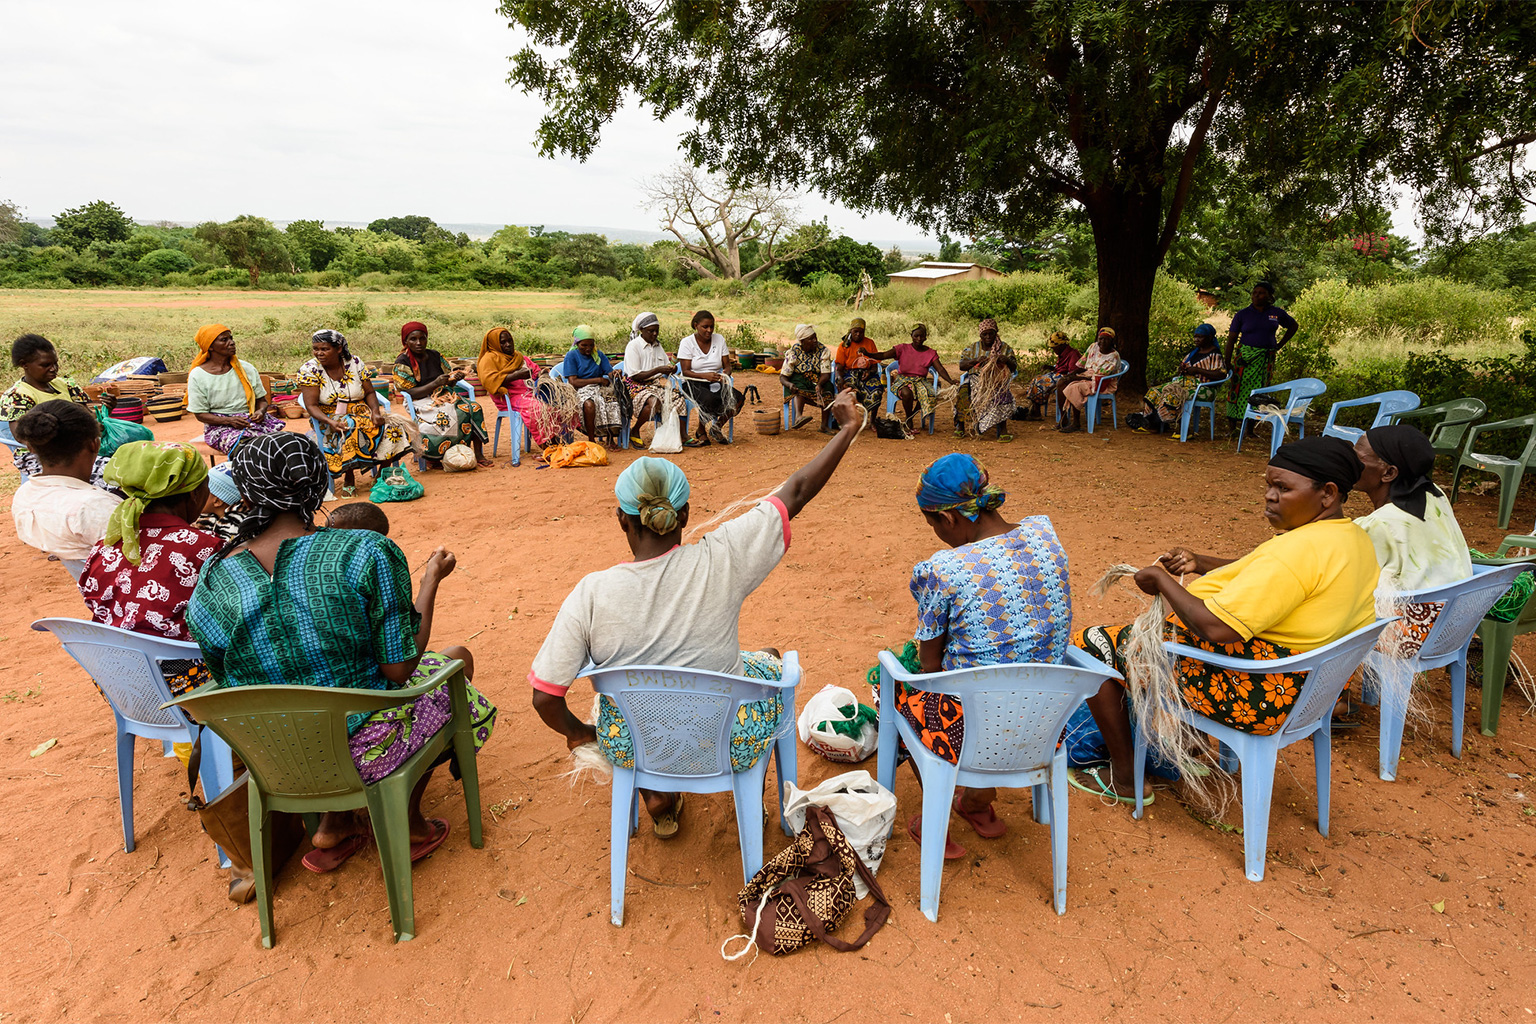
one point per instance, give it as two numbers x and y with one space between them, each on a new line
57 510
225 393
288 603
508 374
1164 404
859 360
444 413
38 361
1039 391
964 620
987 394
706 363
807 375
1078 388
355 432
910 380
1303 589
678 605
647 368
598 387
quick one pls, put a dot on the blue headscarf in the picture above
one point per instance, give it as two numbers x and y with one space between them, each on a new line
654 490
1201 333
958 482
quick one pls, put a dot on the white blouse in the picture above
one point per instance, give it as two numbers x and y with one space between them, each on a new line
712 361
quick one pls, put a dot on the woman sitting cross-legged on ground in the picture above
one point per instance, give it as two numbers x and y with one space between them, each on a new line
38 361
807 375
1078 388
1000 595
445 414
225 393
646 369
1039 391
513 377
58 510
289 603
706 363
1163 405
356 433
1303 589
910 380
590 373
677 605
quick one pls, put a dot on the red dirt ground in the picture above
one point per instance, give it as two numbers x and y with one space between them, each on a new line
1415 907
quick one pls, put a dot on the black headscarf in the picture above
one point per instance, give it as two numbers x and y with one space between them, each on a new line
281 472
1409 450
1322 460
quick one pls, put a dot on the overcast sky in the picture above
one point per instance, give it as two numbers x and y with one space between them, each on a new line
329 109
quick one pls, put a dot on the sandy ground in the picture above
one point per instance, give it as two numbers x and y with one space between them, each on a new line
1416 906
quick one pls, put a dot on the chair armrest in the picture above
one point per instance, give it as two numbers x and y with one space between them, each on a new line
365 700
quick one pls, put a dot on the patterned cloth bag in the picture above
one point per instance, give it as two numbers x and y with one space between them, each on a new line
804 893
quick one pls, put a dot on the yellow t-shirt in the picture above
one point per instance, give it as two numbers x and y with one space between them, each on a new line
1302 589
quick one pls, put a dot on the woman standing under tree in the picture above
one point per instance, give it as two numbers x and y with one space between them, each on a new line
1252 336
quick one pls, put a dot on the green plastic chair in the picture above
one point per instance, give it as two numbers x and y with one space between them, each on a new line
1499 637
293 740
1509 471
1445 424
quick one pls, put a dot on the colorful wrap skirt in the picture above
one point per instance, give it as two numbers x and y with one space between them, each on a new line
937 718
451 418
382 741
922 390
224 439
363 444
1039 391
1167 400
868 387
757 722
1250 369
808 387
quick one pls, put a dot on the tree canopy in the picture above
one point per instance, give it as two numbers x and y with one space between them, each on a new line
984 116
99 221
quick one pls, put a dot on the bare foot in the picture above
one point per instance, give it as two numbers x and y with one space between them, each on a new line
334 827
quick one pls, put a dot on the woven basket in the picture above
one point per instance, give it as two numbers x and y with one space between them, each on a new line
767 421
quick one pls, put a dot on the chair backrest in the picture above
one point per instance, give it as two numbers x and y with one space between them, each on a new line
125 665
1466 602
557 371
1014 714
1328 670
7 438
1125 365
680 719
1299 395
1455 417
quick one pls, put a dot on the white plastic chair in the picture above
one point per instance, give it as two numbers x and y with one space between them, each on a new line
680 724
1327 670
1299 394
1014 715
1466 602
126 666
1391 402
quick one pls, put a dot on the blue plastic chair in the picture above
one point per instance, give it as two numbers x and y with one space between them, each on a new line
1466 602
9 440
1298 395
788 414
1327 670
126 667
1195 403
518 435
888 371
410 410
689 405
1093 409
558 373
1391 402
1014 714
680 722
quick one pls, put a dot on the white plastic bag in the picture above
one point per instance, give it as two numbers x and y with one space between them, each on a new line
816 732
668 439
458 459
864 809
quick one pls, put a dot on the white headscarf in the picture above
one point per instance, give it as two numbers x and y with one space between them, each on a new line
803 331
640 323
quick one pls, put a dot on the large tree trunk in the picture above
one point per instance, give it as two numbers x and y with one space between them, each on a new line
1126 227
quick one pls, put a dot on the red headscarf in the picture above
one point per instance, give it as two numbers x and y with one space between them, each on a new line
405 332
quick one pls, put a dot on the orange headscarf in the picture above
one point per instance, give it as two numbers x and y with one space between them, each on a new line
494 364
206 335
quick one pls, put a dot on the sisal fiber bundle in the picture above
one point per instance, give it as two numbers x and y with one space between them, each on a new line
589 759
558 408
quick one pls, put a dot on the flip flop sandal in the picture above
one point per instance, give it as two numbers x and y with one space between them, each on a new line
696 442
1098 787
484 463
637 443
959 433
242 890
329 859
986 823
802 421
426 846
1348 721
1005 438
667 826
952 849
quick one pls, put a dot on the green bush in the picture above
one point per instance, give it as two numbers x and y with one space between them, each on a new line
166 261
352 314
1431 309
1022 298
1329 310
827 287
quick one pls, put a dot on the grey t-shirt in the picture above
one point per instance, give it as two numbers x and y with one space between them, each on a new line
680 609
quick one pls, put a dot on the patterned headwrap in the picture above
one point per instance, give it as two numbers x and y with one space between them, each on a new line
1060 338
205 337
147 471
640 323
919 327
858 322
336 338
986 325
281 472
582 332
804 331
958 482
410 357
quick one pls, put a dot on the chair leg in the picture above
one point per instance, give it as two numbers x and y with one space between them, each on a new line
216 772
784 751
261 862
1322 755
125 742
625 802
1394 715
1059 830
1509 488
1139 770
1458 671
938 794
1456 481
389 812
469 775
1498 642
1040 803
747 788
1258 780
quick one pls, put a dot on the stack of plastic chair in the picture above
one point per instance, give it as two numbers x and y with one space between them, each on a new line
126 668
1327 670
1014 715
1194 403
1499 637
1445 424
1292 398
1390 403
293 740
1465 604
1509 471
680 724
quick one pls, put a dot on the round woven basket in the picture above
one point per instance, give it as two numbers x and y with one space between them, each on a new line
767 421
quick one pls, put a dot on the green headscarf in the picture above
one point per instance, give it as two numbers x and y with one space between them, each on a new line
147 471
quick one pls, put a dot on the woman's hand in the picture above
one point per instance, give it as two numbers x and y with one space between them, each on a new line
440 564
238 422
378 417
1150 579
581 733
1179 561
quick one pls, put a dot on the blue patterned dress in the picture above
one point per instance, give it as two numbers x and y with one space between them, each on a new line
1003 600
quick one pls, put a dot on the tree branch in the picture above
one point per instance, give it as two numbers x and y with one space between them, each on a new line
1192 150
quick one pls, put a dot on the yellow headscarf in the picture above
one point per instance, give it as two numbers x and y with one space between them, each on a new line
494 364
206 335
